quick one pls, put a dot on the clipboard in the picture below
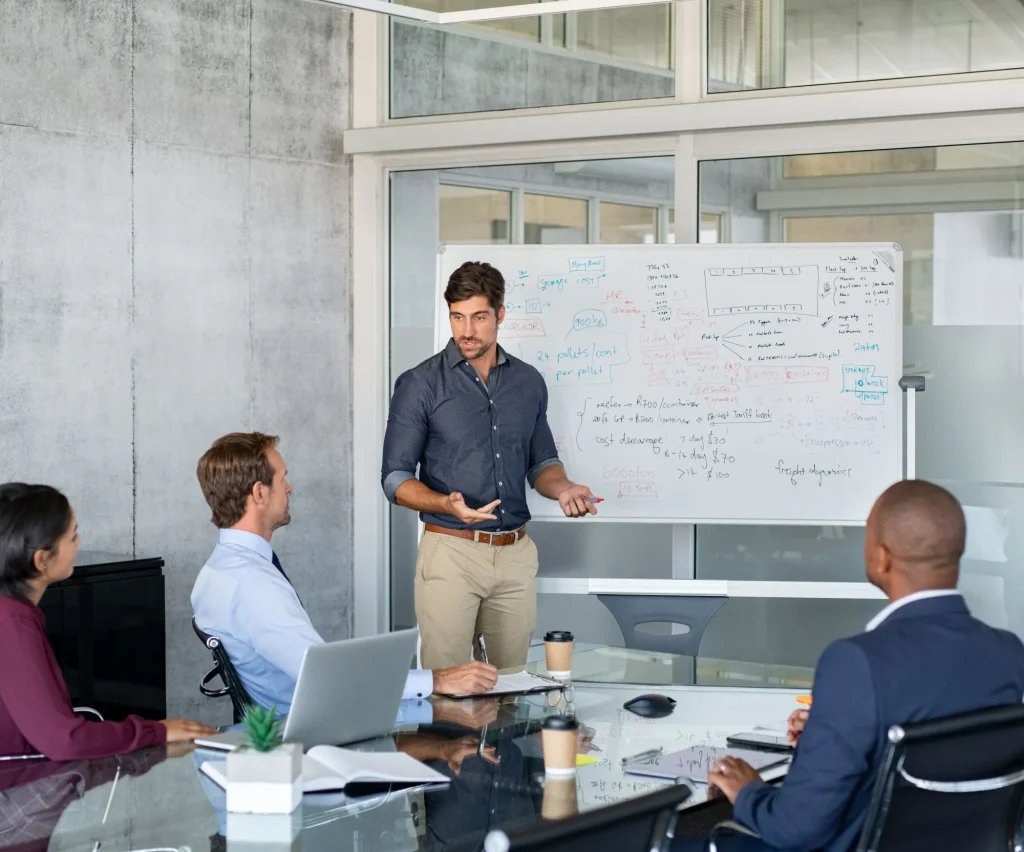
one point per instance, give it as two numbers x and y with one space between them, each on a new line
521 683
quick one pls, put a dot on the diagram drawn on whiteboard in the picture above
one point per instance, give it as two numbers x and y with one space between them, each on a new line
781 289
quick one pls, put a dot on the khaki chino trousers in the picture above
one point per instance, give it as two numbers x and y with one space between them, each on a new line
465 589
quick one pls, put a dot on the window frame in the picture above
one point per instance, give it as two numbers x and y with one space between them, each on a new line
920 112
960 92
593 224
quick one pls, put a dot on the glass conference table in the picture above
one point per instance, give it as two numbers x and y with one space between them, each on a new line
158 800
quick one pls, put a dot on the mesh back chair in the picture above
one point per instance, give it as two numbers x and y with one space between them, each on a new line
643 824
955 783
224 669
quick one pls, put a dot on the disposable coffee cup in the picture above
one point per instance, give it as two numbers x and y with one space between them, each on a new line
559 738
558 653
559 798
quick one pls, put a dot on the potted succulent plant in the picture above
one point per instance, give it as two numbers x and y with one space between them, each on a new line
264 775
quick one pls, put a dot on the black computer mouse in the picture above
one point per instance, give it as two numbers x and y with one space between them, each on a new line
651 706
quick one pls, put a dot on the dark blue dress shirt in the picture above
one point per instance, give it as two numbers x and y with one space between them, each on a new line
485 441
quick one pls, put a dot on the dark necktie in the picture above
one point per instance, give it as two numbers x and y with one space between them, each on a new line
277 565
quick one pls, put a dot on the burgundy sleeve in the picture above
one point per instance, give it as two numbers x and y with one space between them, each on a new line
37 702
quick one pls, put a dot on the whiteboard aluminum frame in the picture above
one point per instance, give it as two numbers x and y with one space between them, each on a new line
441 339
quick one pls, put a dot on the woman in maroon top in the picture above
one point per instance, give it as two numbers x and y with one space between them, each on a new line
38 541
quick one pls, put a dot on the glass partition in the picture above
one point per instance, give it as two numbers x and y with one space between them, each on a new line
546 60
625 224
957 212
566 203
959 215
554 220
769 44
471 215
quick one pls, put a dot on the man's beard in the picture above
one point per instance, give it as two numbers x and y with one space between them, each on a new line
477 353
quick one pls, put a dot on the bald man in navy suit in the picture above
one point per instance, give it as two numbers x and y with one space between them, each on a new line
922 657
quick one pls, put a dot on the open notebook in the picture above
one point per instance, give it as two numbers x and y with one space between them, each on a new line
329 769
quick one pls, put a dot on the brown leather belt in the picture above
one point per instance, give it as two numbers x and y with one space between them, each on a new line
493 539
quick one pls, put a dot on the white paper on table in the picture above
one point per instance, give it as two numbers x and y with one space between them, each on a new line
520 682
987 530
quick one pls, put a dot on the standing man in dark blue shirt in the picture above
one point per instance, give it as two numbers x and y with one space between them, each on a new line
474 419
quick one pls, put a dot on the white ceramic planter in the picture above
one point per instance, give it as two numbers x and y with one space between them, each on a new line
265 782
264 832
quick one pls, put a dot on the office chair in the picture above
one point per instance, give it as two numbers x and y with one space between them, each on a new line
954 783
951 783
727 828
632 611
225 670
643 824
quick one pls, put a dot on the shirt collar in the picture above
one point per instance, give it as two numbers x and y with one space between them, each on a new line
909 599
452 356
248 540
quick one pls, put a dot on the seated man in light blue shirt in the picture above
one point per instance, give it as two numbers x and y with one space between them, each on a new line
242 594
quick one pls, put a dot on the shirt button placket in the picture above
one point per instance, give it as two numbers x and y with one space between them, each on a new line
495 447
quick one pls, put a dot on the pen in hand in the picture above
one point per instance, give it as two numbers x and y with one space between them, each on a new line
483 648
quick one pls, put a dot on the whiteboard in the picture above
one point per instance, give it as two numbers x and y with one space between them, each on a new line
711 383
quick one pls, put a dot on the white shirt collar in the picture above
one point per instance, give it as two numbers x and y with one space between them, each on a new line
909 599
248 540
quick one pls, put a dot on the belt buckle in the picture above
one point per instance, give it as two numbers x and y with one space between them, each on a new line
505 538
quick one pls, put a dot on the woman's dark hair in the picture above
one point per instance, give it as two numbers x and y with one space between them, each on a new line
32 517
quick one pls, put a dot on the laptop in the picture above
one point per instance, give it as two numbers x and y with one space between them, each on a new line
347 691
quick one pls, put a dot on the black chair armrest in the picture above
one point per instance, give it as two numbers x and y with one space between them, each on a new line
664 830
726 828
213 693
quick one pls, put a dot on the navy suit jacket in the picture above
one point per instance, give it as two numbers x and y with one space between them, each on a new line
930 658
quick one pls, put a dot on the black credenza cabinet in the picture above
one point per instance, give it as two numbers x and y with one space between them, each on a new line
106 625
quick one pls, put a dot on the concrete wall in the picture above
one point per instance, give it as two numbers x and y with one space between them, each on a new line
174 256
437 72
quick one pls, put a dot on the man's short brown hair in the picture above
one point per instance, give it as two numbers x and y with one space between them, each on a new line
228 471
476 279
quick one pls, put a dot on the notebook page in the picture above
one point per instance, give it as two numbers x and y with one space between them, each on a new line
364 766
695 762
316 778
516 683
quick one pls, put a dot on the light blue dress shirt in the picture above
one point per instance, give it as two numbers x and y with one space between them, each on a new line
241 598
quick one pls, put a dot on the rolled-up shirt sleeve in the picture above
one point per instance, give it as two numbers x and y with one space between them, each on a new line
543 452
406 434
